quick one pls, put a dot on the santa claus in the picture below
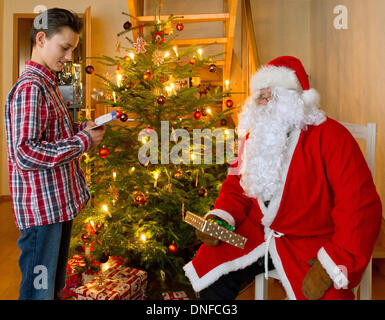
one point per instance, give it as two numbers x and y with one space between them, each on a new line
300 191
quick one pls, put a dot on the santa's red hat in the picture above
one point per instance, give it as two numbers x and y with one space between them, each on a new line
287 72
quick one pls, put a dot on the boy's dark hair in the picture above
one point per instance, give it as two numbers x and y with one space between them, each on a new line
52 21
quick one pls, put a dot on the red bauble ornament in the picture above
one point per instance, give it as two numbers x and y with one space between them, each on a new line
90 69
148 76
197 115
118 113
192 61
172 248
161 100
127 25
104 152
123 117
212 67
229 103
139 198
179 26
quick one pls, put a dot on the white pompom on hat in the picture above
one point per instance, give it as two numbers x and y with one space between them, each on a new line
286 72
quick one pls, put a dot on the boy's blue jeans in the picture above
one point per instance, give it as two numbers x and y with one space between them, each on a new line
43 260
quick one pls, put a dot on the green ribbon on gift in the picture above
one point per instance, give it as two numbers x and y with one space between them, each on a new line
222 224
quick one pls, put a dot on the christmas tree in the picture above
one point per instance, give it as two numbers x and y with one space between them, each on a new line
146 173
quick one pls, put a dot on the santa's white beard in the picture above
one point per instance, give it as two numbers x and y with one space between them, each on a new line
266 148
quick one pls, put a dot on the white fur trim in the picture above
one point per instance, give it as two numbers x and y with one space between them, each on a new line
270 212
272 76
213 275
311 97
223 215
281 272
334 271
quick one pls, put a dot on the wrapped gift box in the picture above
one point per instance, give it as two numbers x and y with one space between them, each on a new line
77 274
75 266
88 276
112 263
121 283
178 295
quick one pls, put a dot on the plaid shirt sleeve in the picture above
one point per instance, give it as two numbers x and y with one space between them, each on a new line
79 126
29 116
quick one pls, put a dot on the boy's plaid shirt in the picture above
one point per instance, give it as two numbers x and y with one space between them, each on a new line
46 182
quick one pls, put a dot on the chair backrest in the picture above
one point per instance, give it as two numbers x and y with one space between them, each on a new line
367 133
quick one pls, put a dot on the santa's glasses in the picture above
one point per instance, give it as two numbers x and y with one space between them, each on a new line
263 98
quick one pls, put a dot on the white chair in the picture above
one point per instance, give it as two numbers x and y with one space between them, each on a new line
360 132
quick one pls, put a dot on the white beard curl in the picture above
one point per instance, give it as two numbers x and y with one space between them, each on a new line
266 148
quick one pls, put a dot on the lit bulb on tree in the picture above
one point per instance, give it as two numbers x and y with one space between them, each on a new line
156 176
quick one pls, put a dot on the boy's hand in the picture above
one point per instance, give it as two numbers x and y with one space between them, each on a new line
96 134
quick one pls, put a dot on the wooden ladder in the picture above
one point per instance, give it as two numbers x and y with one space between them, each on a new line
135 8
238 75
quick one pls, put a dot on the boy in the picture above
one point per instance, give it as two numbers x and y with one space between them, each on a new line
47 185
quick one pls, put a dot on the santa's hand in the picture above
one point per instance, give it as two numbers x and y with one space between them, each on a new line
207 239
316 281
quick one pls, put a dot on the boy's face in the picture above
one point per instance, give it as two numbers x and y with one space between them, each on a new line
54 52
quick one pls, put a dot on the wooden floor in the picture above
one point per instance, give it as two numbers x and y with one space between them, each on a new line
10 276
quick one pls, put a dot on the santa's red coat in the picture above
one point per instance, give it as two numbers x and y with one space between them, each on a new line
328 208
